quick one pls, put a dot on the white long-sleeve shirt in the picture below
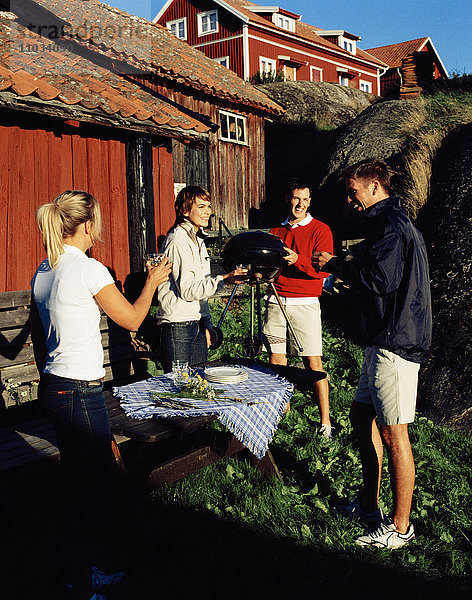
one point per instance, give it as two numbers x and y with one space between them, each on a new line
184 297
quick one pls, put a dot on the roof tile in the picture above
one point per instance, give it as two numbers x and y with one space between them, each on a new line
393 54
73 80
24 84
153 49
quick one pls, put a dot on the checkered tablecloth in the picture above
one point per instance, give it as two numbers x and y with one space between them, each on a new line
253 424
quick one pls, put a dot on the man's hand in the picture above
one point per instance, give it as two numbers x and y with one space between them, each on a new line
319 259
291 257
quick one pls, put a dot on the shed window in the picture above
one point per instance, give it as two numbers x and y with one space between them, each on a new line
178 28
207 22
223 60
232 128
365 86
344 80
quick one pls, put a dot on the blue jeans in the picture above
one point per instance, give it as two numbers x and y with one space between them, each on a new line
183 341
79 415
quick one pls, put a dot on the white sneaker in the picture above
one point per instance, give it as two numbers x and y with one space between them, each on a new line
386 536
353 512
326 431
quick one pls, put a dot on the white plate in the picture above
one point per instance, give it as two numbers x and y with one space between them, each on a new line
226 381
224 372
216 378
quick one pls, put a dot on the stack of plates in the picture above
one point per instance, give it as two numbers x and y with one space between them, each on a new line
226 375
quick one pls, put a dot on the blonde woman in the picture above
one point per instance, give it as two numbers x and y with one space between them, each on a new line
68 289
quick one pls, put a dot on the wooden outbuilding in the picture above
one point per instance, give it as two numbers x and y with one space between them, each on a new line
231 165
413 66
66 122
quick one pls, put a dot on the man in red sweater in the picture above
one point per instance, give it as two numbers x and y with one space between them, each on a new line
299 287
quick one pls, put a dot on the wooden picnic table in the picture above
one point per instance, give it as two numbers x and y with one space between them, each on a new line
157 430
29 440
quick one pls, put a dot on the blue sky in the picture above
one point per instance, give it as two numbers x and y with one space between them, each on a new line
378 22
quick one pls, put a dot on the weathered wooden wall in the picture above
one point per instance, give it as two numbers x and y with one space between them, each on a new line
41 160
236 171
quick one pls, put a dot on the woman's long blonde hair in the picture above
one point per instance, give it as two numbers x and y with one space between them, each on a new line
60 219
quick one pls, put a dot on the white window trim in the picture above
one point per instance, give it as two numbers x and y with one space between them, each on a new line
343 39
184 19
340 79
319 69
271 61
199 22
290 22
368 85
220 60
242 120
294 72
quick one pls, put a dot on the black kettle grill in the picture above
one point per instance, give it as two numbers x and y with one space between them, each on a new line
263 254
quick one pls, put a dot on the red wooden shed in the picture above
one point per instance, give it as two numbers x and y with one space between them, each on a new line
232 163
413 66
66 122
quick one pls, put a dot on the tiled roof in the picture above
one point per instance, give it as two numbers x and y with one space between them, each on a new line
152 48
30 66
303 30
392 55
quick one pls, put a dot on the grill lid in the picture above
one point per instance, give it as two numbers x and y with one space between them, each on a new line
263 251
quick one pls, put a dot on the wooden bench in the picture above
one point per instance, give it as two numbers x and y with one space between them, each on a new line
23 441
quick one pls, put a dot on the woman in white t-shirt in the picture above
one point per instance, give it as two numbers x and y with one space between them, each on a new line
68 289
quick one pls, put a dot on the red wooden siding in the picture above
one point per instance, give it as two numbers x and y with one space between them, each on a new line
232 48
41 164
262 44
163 189
228 24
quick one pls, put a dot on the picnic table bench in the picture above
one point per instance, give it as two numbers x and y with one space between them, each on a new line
27 440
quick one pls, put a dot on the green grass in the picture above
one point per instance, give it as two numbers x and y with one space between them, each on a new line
316 473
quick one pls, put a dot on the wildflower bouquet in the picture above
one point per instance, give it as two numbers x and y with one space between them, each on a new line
195 387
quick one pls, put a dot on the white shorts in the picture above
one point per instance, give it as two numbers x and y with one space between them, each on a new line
389 383
306 322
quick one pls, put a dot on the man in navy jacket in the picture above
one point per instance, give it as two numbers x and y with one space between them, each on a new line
389 272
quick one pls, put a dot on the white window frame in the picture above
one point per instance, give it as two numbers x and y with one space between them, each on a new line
200 20
223 61
312 69
285 67
239 120
348 45
177 22
284 22
272 62
343 80
365 84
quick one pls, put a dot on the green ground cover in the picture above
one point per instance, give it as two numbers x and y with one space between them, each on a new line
228 532
295 512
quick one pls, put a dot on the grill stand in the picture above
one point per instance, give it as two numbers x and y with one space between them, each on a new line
253 345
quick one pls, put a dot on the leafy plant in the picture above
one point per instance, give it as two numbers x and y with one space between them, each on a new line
267 77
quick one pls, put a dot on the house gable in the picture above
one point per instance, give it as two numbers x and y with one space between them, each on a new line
414 65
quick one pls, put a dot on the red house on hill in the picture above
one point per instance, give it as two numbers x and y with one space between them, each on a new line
248 38
412 67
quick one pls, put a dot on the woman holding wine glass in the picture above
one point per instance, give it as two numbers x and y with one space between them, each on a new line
68 288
